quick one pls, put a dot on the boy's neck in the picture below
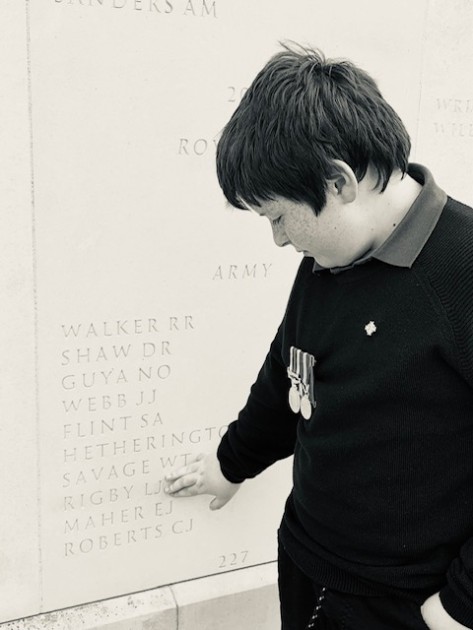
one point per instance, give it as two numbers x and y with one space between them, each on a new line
387 209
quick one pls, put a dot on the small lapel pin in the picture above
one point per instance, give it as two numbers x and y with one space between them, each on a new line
370 328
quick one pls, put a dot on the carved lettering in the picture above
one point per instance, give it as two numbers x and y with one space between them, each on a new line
253 271
235 94
193 8
110 496
197 146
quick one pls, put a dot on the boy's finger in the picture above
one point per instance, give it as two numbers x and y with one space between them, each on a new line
186 481
180 472
185 492
217 503
175 474
192 466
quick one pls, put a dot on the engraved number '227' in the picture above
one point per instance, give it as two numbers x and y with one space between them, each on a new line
232 559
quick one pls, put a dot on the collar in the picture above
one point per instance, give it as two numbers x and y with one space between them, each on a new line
405 243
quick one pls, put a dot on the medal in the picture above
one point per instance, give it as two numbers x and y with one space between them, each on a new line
294 375
294 399
306 407
312 362
300 373
307 401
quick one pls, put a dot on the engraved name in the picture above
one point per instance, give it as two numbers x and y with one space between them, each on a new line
193 8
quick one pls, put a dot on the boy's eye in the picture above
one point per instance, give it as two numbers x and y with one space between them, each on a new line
276 221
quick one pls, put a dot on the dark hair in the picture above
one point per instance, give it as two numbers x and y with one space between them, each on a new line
302 111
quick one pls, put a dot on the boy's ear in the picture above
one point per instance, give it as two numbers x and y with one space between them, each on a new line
343 183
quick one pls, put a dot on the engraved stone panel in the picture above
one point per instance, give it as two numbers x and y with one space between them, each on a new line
445 136
19 546
147 338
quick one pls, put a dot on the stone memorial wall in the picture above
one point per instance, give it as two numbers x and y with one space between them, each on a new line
139 306
445 130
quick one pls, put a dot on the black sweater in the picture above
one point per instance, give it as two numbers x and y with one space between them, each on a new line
383 470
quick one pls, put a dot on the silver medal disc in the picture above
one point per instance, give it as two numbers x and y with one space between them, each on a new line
294 399
306 408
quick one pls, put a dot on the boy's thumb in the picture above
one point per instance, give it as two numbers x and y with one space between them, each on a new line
217 503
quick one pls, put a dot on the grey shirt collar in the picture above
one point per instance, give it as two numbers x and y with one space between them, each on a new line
405 243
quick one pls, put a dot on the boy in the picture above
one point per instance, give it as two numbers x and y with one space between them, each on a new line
369 380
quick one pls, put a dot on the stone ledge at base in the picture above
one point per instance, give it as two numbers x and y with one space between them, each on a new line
239 600
245 599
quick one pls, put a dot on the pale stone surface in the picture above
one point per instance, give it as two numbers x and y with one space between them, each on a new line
153 610
143 358
245 598
19 548
240 599
445 136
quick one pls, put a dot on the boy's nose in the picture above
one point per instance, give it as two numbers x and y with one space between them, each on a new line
279 235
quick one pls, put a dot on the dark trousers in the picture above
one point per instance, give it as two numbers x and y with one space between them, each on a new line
307 606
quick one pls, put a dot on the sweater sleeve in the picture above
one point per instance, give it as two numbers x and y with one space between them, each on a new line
265 430
455 290
457 595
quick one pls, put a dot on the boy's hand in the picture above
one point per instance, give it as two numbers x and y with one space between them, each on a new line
203 475
436 617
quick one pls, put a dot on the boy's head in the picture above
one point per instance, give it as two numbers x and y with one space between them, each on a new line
300 114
